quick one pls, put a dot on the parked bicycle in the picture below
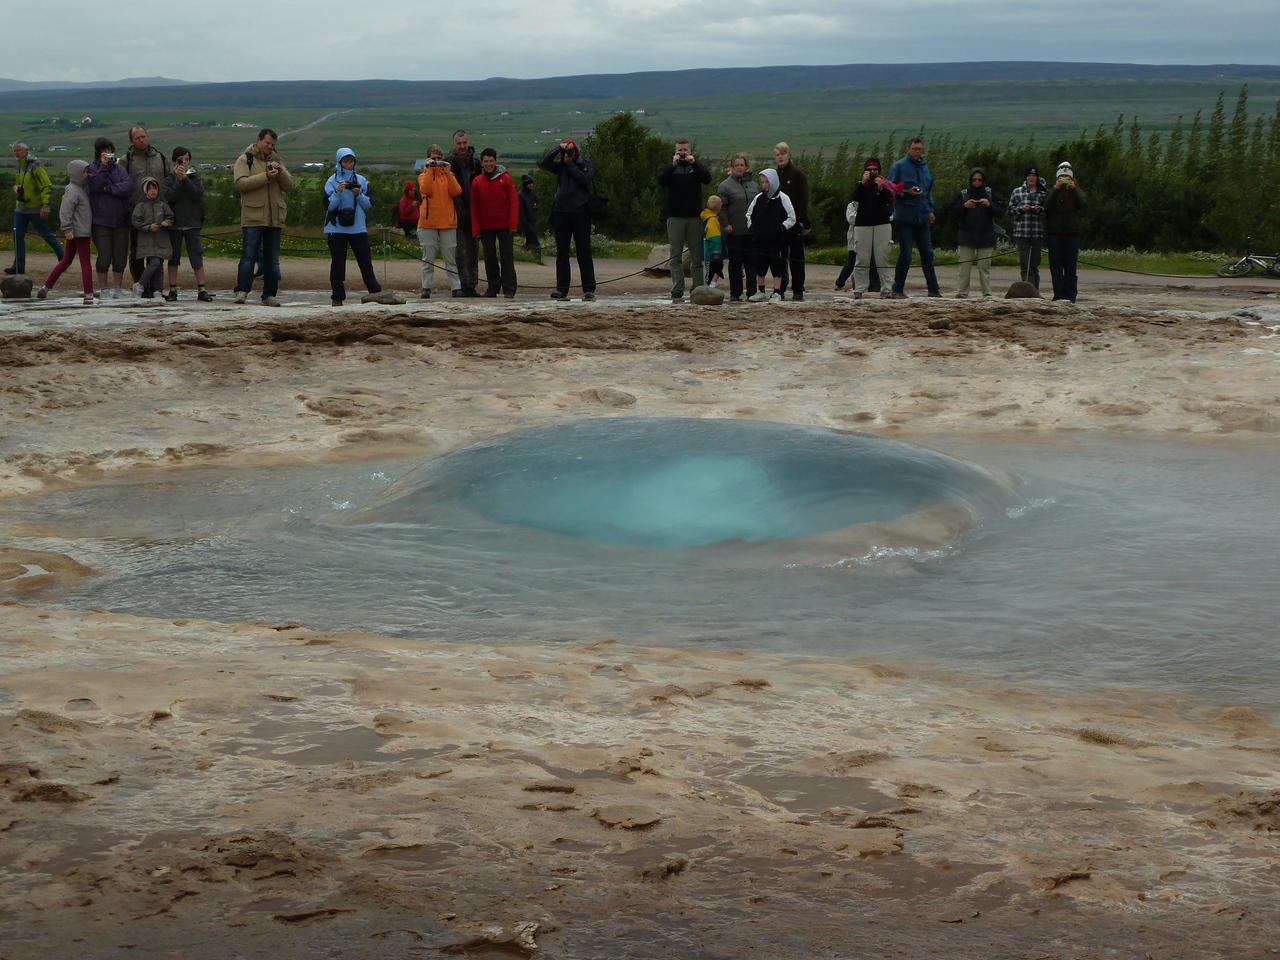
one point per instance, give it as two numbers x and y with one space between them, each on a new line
1246 264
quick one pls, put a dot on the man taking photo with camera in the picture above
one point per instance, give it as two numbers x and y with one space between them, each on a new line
683 179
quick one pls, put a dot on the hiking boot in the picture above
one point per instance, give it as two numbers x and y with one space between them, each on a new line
241 296
44 292
458 293
897 295
509 296
559 295
11 270
935 293
856 295
886 295
270 302
147 295
490 294
204 296
172 296
797 298
426 295
335 303
589 295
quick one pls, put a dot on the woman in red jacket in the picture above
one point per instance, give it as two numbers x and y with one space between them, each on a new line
407 210
495 216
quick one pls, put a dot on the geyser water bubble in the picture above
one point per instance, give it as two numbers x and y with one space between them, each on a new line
681 483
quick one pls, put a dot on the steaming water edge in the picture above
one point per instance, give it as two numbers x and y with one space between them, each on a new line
1139 563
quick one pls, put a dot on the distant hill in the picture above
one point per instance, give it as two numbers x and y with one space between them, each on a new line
162 92
41 86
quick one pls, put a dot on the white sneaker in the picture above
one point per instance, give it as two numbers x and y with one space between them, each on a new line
758 297
712 284
117 294
241 296
776 297
137 289
102 294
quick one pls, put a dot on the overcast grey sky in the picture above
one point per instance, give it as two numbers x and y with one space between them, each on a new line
396 39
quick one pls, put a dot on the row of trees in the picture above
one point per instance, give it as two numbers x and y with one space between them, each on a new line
1203 185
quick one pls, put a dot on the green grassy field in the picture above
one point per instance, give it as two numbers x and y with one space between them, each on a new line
809 120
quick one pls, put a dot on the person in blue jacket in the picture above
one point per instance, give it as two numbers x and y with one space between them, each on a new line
913 213
347 193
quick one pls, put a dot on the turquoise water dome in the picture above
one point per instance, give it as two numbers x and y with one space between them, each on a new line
679 483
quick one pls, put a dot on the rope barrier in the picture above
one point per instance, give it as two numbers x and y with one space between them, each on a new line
235 238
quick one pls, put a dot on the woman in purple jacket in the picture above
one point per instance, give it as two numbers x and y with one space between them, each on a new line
109 189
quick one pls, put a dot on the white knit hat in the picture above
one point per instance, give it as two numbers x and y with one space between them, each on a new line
1064 170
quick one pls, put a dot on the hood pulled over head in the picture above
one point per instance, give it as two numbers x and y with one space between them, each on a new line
774 183
343 153
76 169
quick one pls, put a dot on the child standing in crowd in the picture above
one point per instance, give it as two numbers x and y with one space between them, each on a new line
151 216
769 218
184 192
407 210
76 217
712 241
529 216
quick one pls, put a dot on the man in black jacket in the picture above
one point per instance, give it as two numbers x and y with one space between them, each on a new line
465 166
684 178
796 186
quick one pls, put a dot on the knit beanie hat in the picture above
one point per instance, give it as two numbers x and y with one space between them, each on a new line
1064 169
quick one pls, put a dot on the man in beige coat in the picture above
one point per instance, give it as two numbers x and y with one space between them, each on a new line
262 181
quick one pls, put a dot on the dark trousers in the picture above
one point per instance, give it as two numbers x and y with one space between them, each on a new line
466 254
793 253
1064 251
910 236
79 247
575 225
741 264
1029 259
851 261
260 243
20 223
499 261
770 255
152 276
359 245
531 241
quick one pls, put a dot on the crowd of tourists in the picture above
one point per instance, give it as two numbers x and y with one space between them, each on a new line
143 208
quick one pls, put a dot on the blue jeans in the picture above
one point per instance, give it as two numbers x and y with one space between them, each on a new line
20 223
264 242
910 236
1064 251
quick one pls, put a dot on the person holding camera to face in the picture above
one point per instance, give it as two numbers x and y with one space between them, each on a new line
1062 207
110 187
684 178
262 181
438 219
570 216
184 192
